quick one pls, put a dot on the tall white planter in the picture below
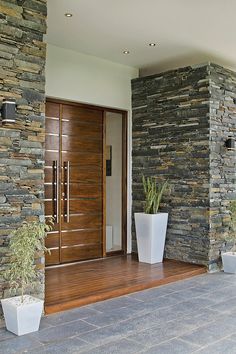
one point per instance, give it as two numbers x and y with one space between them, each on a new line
22 318
229 262
151 235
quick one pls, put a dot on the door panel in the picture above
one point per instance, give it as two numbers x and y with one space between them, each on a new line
52 155
74 182
79 237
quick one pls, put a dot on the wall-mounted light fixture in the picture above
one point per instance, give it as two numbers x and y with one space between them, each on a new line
230 143
20 2
8 111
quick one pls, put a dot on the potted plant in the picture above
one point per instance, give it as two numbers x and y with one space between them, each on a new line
229 258
23 313
151 225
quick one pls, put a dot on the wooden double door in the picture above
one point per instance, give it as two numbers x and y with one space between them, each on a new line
74 182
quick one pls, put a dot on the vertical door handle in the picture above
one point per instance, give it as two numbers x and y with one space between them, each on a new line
56 191
68 192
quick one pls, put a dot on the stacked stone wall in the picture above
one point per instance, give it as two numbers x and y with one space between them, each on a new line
22 63
222 161
171 141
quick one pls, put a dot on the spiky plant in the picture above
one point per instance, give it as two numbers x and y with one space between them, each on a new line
24 243
153 194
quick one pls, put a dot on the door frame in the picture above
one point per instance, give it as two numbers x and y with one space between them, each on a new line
124 211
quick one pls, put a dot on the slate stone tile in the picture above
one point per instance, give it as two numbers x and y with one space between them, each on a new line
199 318
188 294
151 293
226 306
69 316
183 284
191 305
18 344
160 333
69 346
210 333
114 304
112 316
175 346
225 346
120 329
102 335
61 332
122 346
4 334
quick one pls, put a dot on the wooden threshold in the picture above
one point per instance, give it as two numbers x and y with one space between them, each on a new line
88 282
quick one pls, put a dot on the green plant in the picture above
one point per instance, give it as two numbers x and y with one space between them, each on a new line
153 194
24 243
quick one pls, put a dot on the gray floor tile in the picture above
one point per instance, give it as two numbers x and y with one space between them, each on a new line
112 316
123 346
4 334
61 332
69 346
225 346
114 303
151 293
69 316
174 346
18 344
210 333
160 333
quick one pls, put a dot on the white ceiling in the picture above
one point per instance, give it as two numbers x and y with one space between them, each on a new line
187 31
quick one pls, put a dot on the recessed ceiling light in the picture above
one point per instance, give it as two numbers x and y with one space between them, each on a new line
68 14
152 44
125 52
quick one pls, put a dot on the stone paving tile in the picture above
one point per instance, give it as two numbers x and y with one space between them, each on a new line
175 346
199 318
69 316
120 329
226 306
58 333
209 333
225 346
160 333
18 344
112 316
151 293
122 346
4 334
116 303
69 346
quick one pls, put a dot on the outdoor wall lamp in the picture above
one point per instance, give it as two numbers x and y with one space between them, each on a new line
8 111
230 143
20 2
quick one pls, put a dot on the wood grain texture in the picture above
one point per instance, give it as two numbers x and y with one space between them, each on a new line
74 144
87 282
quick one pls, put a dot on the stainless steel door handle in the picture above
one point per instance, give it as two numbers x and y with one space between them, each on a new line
68 192
56 193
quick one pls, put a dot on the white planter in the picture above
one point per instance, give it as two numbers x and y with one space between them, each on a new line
151 235
22 318
229 262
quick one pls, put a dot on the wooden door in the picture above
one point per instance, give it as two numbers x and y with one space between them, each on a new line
78 185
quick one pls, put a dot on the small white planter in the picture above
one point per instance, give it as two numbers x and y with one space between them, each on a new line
22 318
229 262
151 235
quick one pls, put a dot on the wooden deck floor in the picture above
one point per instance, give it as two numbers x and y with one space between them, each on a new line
87 282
